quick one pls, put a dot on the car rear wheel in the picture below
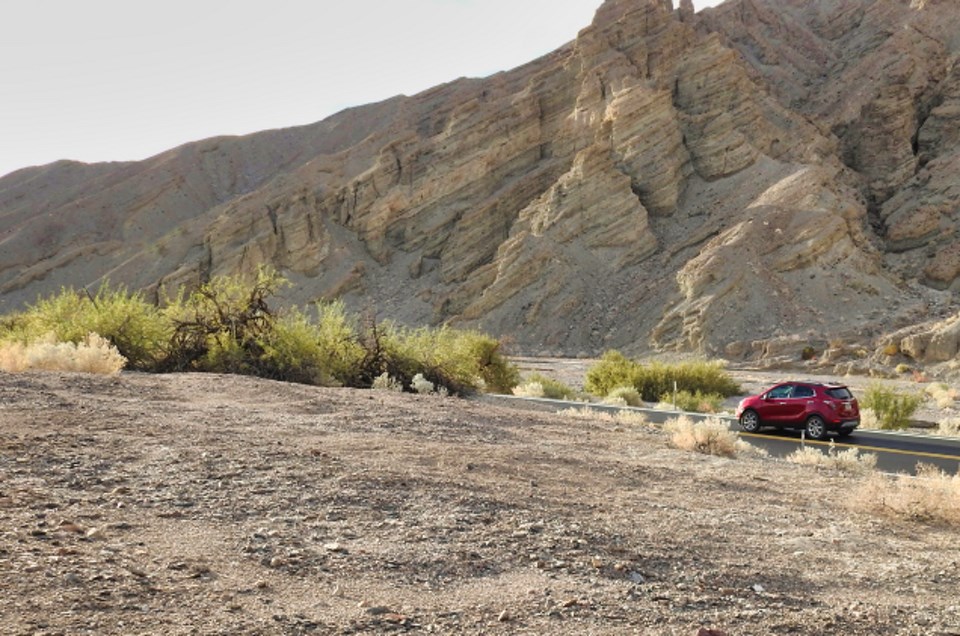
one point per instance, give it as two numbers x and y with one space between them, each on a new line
816 428
750 421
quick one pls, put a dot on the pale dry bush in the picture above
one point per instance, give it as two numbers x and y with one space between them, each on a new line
385 382
421 385
623 418
710 437
931 497
869 420
942 394
93 355
848 461
530 389
949 426
424 386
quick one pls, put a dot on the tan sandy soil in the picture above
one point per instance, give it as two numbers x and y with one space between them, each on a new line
203 504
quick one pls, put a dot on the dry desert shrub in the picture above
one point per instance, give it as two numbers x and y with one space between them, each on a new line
848 461
949 426
710 437
93 355
384 382
529 389
931 497
942 394
868 420
623 418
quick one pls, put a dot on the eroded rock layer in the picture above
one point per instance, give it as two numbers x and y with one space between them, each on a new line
667 180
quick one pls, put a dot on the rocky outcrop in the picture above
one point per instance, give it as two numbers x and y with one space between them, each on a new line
667 180
882 76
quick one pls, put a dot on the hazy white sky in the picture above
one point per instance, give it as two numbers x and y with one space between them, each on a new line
101 80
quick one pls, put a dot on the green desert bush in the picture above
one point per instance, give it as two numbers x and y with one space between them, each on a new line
222 325
892 409
695 401
656 379
324 352
848 461
626 394
226 325
459 361
134 326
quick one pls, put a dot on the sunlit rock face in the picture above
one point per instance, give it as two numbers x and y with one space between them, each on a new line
667 180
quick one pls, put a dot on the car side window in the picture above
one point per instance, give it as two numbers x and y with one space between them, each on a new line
802 392
780 392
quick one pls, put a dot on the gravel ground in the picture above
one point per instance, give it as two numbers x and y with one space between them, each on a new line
204 504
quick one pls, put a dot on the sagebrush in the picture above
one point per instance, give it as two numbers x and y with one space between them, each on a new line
93 355
848 461
710 437
625 417
932 497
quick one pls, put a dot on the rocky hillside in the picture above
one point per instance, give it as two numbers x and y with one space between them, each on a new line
766 172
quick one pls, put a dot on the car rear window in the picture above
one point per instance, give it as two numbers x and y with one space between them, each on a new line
840 393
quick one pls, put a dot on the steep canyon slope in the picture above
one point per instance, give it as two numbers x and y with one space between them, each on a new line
703 182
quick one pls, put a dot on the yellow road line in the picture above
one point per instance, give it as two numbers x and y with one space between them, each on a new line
879 449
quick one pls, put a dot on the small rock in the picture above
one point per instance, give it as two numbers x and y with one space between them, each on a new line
334 547
70 526
636 577
504 616
710 632
756 587
379 610
95 533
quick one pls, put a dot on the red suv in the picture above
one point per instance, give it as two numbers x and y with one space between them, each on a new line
812 407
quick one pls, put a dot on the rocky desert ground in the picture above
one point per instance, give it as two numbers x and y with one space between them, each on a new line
205 504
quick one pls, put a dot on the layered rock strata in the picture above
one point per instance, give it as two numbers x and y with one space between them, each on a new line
667 180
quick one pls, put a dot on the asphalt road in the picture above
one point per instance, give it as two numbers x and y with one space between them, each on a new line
896 452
